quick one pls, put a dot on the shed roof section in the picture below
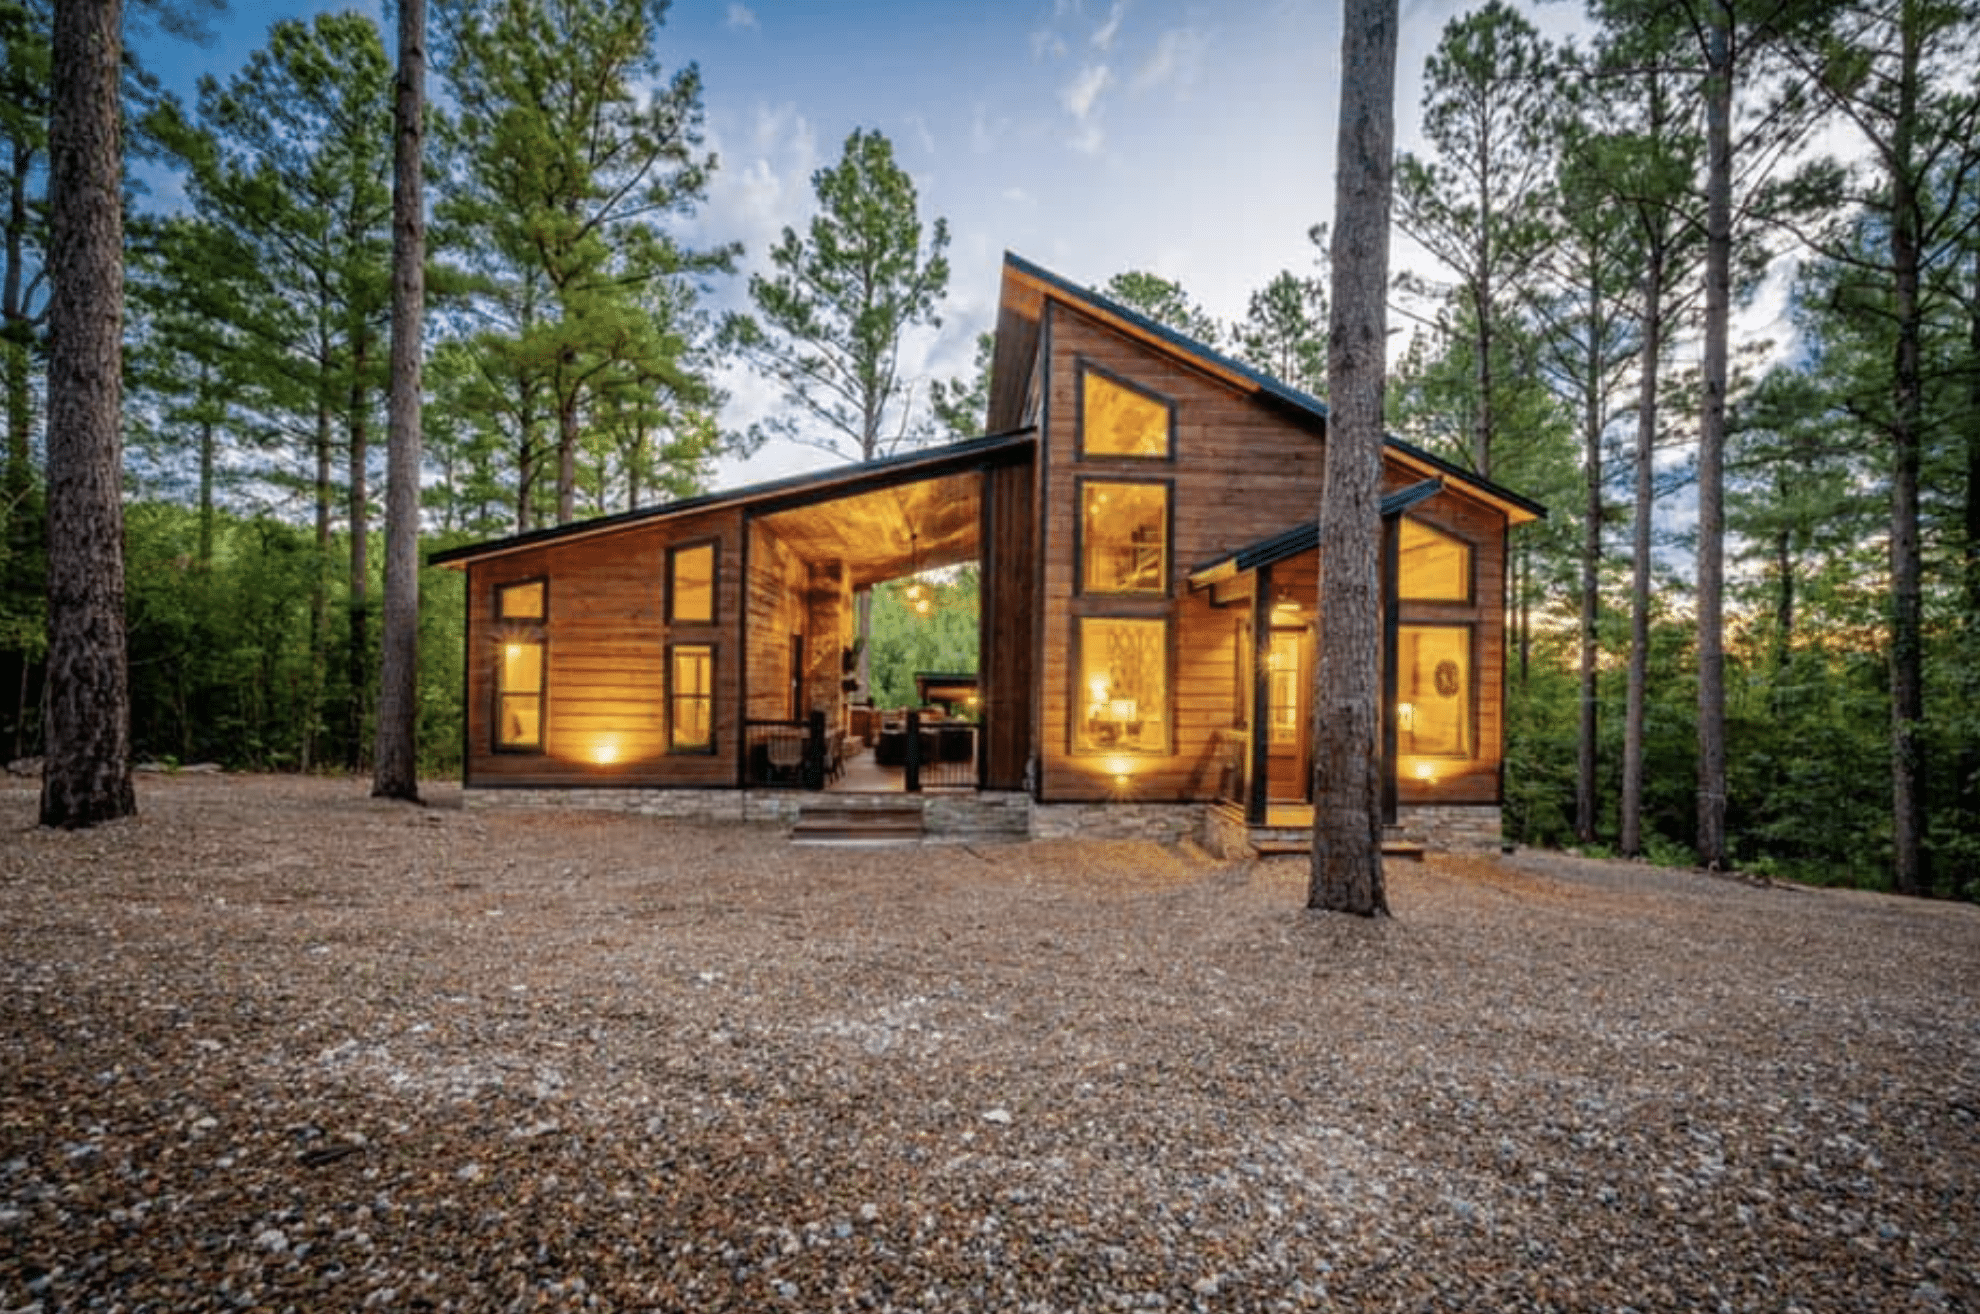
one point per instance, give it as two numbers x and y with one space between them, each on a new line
884 491
1020 314
1303 537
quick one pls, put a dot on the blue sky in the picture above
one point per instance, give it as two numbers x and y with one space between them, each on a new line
1193 138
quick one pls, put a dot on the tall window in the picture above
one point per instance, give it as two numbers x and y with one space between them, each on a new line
521 611
1122 698
691 698
691 584
1285 673
1124 537
1433 691
1116 420
1432 566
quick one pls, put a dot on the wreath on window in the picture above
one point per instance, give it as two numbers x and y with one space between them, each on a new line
1446 678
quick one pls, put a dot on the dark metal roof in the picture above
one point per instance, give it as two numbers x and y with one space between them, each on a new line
860 475
1300 402
1303 537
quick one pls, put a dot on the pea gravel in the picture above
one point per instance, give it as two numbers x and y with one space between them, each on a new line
273 1045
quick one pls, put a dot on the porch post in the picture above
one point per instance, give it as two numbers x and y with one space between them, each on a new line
912 783
1258 783
1391 617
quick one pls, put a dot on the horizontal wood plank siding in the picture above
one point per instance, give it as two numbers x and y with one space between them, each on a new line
605 695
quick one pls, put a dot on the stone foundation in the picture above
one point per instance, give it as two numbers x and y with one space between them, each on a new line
1224 833
969 818
768 806
1164 823
1451 828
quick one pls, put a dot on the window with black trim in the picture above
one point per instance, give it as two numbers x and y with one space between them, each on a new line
1431 566
521 615
1122 690
1118 419
691 698
1123 537
691 584
1433 691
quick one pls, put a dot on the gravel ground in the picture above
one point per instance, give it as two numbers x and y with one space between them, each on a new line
272 1045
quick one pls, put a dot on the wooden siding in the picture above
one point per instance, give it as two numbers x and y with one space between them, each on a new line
1008 624
1244 469
605 714
778 583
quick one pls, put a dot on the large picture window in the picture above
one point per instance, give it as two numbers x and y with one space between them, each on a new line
691 584
691 698
1432 566
1122 697
521 613
1124 537
1117 420
1433 691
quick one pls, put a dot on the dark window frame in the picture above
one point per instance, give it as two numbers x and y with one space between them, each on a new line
1081 452
709 749
1471 629
1082 587
1470 598
1077 686
674 552
521 630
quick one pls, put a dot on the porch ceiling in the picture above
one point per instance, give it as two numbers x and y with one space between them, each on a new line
889 532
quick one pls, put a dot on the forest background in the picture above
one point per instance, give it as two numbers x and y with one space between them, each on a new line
577 364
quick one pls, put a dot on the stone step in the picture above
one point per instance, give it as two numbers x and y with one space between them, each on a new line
862 822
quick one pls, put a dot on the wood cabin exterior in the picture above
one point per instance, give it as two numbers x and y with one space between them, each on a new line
1141 514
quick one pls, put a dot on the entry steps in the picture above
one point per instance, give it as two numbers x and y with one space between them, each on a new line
1297 841
853 819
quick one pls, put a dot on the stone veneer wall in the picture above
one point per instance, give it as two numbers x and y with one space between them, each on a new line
1165 823
1224 833
756 805
965 818
1451 828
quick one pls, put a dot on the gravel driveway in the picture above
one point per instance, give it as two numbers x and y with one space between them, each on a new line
272 1045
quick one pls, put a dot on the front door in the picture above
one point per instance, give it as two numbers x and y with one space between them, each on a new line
1288 689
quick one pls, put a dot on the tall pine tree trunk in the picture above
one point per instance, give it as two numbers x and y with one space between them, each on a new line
87 774
1712 442
319 592
357 656
1347 751
1969 756
395 769
1909 874
17 335
1591 599
1630 838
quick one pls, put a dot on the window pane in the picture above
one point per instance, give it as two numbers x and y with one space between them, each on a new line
693 700
522 668
694 583
520 601
1282 700
1433 695
1432 566
1123 685
1125 531
1121 422
522 721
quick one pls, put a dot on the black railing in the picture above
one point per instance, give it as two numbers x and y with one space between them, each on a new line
935 754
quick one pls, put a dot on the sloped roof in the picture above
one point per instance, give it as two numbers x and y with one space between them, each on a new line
1303 537
836 481
1025 288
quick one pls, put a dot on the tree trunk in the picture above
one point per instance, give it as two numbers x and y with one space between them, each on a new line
567 447
1630 839
18 329
358 641
1347 750
207 440
319 593
1969 756
87 773
1591 596
1908 870
395 770
1712 441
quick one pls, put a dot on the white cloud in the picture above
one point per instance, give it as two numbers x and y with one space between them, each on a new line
1081 97
742 16
1045 42
1176 59
986 133
1103 36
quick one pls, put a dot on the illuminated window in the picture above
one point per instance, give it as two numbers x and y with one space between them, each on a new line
1124 537
691 698
1433 691
691 584
520 611
1122 694
1284 671
1115 420
1432 566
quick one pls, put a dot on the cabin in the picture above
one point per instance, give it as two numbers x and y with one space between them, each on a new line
1141 514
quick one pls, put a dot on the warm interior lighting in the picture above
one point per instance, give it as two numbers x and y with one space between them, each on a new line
1121 709
514 651
1406 717
1424 771
605 752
